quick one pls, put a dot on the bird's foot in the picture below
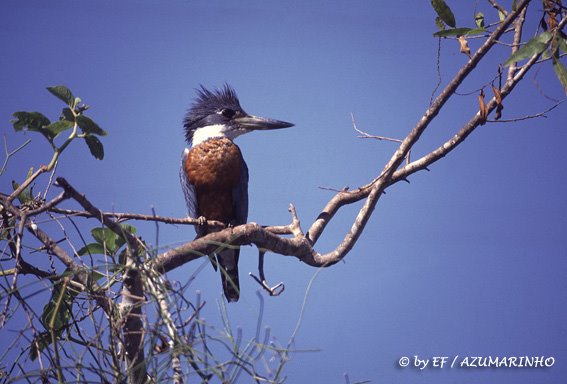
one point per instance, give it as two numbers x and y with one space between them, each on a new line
202 221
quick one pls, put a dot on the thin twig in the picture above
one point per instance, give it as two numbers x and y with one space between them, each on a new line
364 135
124 216
11 153
527 117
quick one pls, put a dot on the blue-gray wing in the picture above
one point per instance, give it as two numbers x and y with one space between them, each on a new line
188 188
240 196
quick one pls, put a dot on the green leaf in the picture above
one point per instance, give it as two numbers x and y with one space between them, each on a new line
544 37
501 15
56 313
562 44
32 121
5 232
444 12
545 54
129 228
22 197
89 126
561 72
95 146
66 114
56 128
110 241
30 173
533 47
479 19
107 239
26 195
126 228
96 276
475 31
453 32
91 249
440 24
64 94
39 343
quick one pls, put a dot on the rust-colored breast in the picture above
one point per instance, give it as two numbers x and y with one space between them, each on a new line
213 167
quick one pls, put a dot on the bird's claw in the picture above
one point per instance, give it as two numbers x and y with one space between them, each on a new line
202 221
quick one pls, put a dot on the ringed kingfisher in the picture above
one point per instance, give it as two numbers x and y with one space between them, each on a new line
213 173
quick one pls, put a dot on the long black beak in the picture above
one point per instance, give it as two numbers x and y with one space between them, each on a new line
261 123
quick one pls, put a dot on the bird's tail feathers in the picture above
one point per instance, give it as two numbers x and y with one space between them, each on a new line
228 262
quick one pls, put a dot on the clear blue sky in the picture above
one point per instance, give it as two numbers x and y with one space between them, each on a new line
468 259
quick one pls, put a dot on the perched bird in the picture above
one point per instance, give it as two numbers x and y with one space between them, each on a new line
213 173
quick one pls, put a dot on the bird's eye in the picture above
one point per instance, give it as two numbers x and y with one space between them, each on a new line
227 112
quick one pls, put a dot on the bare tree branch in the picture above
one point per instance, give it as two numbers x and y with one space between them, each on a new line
374 189
532 116
124 216
54 248
10 153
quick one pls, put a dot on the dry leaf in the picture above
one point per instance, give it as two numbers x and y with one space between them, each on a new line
499 106
552 19
482 108
497 95
464 46
163 347
552 12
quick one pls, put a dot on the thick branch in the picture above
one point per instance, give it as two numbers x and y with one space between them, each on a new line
52 247
133 327
241 235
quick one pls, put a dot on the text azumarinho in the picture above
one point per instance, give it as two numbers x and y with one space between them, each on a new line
507 362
